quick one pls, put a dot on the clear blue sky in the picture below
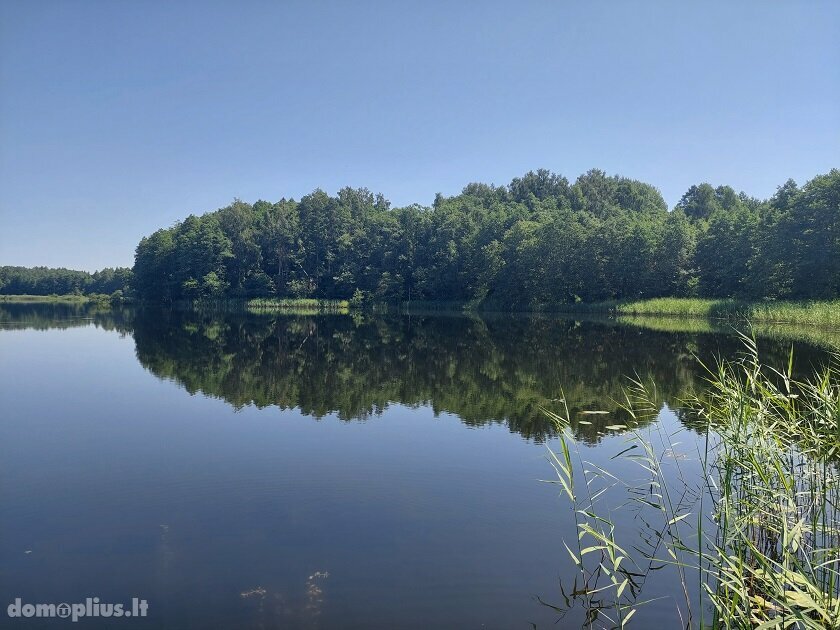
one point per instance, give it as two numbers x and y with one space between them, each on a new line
118 117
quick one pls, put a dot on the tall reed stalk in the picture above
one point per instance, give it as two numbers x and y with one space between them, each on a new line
753 539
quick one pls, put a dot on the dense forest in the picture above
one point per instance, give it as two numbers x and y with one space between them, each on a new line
49 281
541 240
537 242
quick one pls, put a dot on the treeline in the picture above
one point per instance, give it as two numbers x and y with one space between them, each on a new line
49 281
539 241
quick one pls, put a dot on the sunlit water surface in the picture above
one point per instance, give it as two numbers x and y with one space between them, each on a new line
244 471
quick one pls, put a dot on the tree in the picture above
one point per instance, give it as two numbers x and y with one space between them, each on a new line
154 266
699 202
276 229
537 242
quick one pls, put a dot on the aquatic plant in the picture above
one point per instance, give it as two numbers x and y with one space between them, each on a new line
754 537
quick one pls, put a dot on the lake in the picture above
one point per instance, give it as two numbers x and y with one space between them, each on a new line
245 470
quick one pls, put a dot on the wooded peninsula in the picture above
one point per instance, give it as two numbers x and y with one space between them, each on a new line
538 242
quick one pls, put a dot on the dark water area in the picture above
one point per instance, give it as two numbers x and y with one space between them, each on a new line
238 470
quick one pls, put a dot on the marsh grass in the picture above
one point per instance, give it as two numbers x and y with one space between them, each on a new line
298 305
753 537
824 314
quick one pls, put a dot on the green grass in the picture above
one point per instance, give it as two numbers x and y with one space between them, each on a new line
826 314
297 305
820 313
755 536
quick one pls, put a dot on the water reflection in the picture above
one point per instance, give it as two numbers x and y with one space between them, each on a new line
492 370
62 315
239 514
283 609
484 370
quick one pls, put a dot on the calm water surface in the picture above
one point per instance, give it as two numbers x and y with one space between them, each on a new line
252 471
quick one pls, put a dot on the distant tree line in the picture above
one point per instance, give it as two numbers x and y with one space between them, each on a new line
49 281
541 240
538 241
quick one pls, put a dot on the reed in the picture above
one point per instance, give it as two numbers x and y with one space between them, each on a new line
298 305
755 534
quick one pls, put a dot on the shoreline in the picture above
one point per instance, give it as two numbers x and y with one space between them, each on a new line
823 314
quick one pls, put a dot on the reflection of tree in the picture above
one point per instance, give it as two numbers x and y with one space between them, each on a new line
496 369
483 370
46 315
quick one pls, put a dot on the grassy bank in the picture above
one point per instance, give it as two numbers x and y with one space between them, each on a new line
822 314
262 305
825 314
754 535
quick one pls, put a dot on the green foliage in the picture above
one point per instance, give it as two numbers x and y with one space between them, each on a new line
757 532
799 247
46 281
538 242
824 314
297 306
212 285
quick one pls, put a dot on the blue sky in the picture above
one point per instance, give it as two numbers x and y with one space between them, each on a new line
119 117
